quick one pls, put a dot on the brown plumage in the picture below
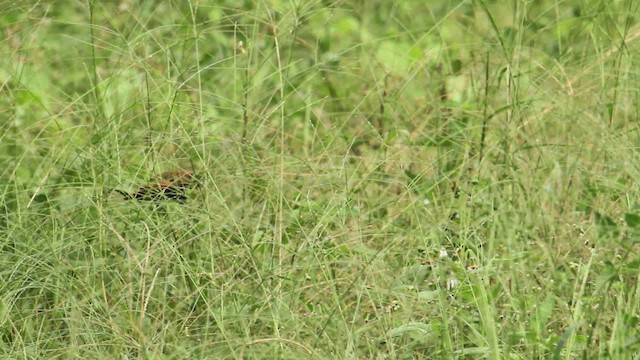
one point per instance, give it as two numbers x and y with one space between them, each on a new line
172 185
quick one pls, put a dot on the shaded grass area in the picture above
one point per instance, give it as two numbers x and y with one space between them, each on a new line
378 180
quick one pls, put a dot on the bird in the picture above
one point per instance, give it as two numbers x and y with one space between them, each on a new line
171 185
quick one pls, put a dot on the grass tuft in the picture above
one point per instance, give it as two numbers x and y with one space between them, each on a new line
374 180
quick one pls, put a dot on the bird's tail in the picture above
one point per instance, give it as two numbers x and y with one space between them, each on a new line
126 195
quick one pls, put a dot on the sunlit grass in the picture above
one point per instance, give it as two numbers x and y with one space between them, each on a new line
376 180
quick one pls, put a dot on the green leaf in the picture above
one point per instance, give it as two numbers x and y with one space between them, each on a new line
395 56
428 295
415 329
632 220
544 311
606 226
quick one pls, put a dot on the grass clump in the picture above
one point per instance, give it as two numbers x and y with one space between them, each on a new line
375 180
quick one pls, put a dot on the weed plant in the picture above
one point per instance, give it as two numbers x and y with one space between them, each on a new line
377 179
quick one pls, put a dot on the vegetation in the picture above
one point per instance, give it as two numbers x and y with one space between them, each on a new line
376 179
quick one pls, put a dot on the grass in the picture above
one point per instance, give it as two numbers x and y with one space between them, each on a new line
379 180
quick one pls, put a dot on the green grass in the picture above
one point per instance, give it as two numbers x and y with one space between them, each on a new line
343 148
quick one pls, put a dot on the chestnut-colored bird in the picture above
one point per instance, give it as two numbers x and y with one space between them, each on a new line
172 185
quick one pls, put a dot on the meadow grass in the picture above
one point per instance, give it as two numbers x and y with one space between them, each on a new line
379 180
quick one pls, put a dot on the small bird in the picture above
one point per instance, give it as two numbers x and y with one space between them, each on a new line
172 185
